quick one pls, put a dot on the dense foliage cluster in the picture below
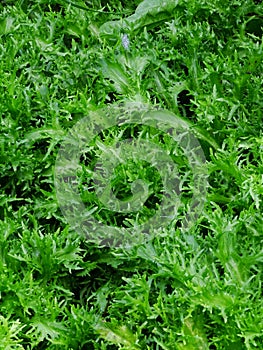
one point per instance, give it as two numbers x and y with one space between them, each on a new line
202 60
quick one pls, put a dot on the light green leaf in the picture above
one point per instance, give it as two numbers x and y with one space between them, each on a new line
6 25
193 330
114 72
119 335
148 13
46 329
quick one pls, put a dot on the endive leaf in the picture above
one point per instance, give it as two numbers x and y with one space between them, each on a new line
114 72
148 13
117 334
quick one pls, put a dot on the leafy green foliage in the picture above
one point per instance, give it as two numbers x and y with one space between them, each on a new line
198 290
148 13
